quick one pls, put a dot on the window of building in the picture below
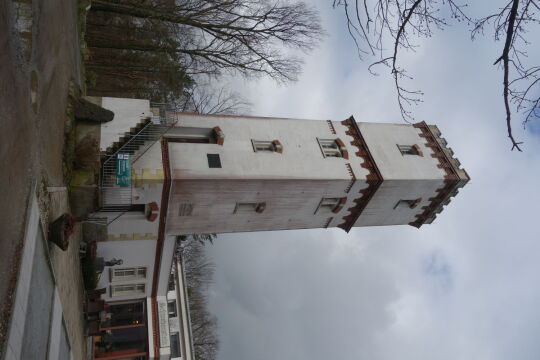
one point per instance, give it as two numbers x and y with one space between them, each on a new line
214 161
171 308
249 207
262 146
185 209
410 204
194 135
329 148
333 148
125 274
267 146
127 290
170 285
410 150
175 345
328 205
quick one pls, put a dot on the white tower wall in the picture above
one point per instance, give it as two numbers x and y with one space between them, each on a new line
301 157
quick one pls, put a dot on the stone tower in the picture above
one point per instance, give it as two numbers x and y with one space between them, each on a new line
239 173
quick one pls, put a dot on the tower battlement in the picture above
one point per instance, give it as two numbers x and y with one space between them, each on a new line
456 177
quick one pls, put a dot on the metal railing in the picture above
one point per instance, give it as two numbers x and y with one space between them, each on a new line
119 197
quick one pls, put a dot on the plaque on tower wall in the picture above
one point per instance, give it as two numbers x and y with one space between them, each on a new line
123 169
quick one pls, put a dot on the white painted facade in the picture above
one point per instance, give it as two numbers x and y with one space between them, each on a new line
293 183
301 158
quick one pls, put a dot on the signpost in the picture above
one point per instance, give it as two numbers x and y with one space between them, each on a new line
123 169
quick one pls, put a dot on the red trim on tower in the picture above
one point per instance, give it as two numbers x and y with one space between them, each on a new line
418 151
161 237
373 178
218 133
340 205
163 213
353 178
331 126
343 149
451 177
277 146
155 327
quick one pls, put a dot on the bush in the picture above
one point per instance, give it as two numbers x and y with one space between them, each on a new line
90 276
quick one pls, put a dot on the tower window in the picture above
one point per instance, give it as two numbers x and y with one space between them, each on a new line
411 204
410 150
267 146
333 148
214 161
328 205
249 207
193 135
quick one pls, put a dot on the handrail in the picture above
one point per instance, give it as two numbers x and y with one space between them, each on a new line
119 198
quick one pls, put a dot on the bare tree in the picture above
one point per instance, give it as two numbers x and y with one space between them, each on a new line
199 273
203 98
372 24
244 36
510 23
128 72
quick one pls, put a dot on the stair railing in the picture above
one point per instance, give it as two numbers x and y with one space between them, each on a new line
119 197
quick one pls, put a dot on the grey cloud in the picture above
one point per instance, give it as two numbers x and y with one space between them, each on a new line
465 287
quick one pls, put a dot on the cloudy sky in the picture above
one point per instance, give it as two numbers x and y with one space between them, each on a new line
465 287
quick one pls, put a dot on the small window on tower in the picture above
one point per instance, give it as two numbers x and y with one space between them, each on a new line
193 135
329 147
328 205
267 146
214 161
249 207
410 204
410 150
262 146
333 148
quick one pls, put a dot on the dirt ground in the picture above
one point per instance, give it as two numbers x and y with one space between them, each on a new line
32 135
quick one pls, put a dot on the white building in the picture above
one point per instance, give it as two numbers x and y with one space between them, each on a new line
193 173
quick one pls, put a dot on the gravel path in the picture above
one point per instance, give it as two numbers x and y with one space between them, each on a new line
31 138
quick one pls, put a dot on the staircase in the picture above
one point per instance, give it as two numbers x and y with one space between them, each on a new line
136 142
127 136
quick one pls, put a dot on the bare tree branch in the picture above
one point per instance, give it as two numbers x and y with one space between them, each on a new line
506 60
402 21
242 36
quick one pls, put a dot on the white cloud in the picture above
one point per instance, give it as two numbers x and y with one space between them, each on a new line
464 287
